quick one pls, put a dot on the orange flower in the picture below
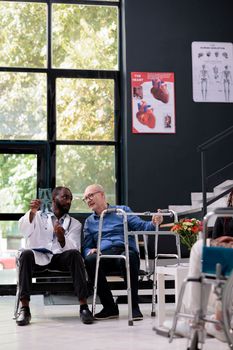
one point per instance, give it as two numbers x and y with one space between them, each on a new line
187 229
195 229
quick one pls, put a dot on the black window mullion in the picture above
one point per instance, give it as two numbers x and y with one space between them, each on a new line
51 109
49 36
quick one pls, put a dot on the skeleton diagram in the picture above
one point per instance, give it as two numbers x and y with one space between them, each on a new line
204 77
226 79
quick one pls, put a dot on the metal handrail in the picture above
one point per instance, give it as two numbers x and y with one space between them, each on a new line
213 140
203 148
218 212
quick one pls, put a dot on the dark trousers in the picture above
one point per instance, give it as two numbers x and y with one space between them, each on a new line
70 260
109 265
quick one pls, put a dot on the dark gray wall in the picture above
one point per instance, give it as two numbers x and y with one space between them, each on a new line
164 169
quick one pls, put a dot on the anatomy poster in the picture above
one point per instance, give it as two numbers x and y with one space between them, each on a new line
153 105
212 65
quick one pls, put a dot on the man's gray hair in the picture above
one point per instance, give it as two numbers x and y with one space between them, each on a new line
99 188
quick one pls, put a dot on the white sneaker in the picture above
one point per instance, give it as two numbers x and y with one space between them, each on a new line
216 333
182 327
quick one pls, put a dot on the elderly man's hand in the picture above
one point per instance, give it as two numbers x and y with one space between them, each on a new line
92 251
157 219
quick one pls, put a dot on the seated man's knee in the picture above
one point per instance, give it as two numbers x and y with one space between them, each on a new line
90 260
74 255
26 255
73 252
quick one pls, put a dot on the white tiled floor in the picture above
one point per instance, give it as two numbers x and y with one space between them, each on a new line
59 327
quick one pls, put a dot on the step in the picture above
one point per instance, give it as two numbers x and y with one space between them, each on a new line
180 208
197 198
198 195
222 202
222 187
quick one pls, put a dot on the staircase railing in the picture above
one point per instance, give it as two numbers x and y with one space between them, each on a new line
204 177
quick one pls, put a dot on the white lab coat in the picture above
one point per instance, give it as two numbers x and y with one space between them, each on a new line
39 234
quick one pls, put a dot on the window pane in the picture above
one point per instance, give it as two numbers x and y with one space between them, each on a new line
18 179
85 37
10 242
23 111
85 109
10 239
80 166
23 37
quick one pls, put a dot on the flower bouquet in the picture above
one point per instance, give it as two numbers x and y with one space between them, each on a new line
188 230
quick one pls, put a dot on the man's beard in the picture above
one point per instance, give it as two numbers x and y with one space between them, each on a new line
63 209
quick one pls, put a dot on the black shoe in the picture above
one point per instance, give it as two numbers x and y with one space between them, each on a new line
86 316
24 316
137 315
107 313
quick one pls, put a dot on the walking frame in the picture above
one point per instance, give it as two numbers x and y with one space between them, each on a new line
145 234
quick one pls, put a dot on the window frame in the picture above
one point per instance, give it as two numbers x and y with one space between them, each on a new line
46 150
33 147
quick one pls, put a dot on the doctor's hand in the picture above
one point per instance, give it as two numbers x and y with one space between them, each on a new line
59 232
34 206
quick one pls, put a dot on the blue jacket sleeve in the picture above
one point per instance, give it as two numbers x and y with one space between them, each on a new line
89 242
135 223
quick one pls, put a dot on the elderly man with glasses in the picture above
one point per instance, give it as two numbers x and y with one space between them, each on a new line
112 243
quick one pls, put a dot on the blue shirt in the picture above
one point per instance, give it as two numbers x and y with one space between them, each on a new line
113 230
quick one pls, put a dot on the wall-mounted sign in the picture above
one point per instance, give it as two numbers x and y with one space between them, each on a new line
153 104
212 66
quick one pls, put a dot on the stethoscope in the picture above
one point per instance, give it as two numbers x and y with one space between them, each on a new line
45 217
68 227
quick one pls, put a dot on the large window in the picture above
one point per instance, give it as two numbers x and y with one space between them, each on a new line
84 37
91 161
23 106
59 103
23 40
18 173
85 116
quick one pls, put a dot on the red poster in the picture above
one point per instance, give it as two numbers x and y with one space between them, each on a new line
153 102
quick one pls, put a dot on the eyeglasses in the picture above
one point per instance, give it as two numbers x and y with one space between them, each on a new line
90 196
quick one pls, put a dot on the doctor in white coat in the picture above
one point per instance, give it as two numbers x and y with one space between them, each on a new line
53 241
